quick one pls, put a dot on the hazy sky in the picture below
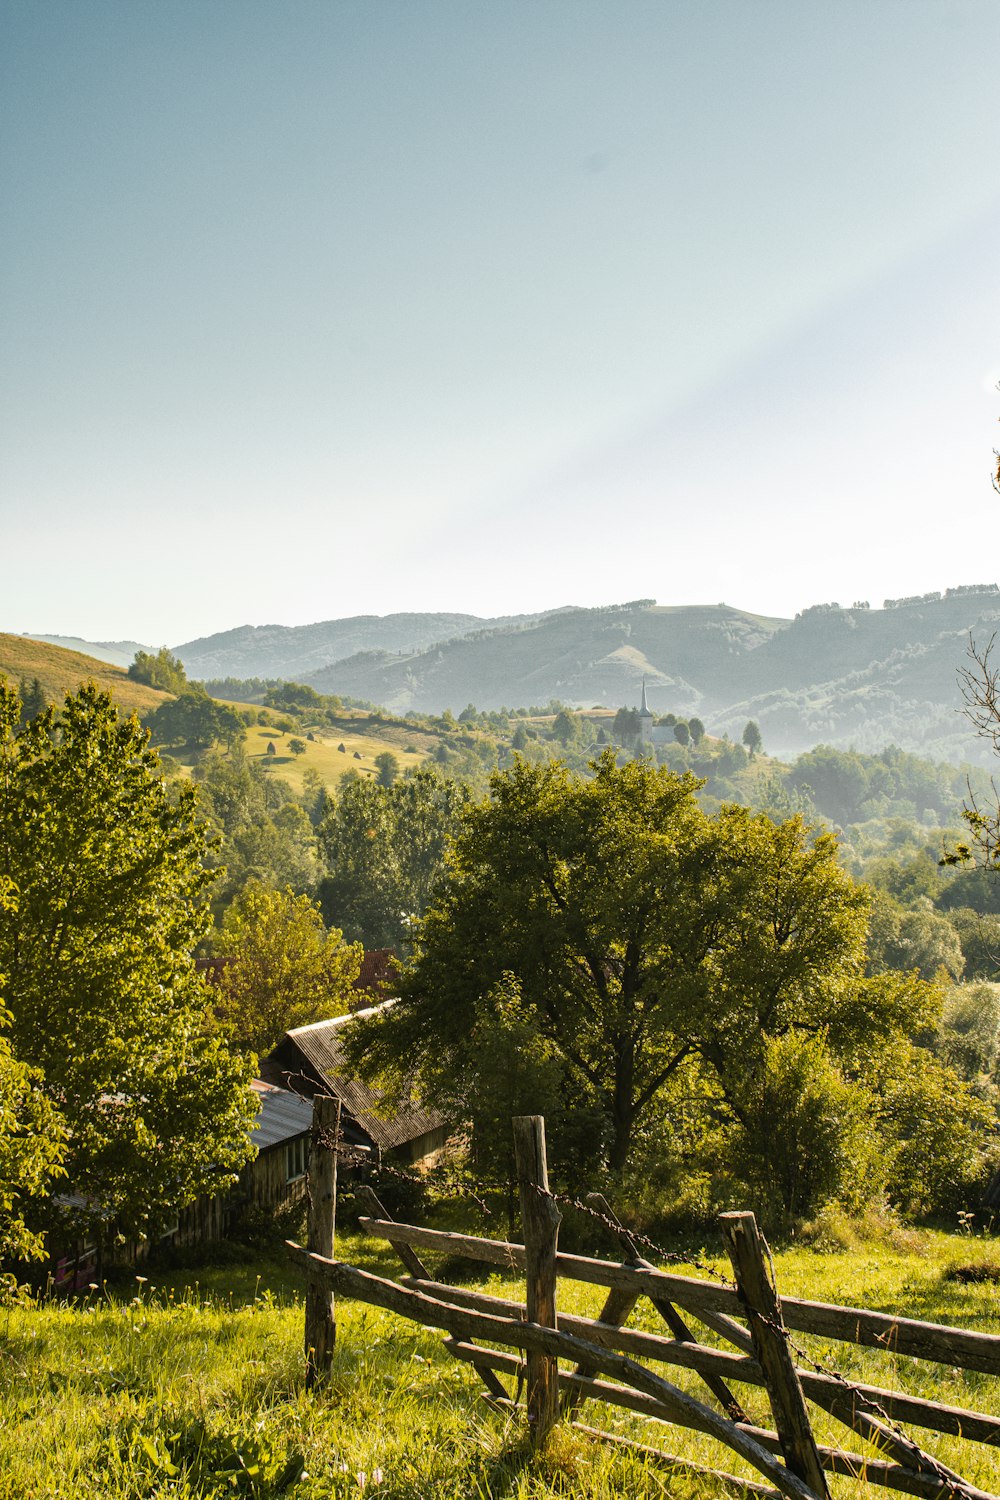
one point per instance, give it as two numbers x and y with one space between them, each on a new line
315 309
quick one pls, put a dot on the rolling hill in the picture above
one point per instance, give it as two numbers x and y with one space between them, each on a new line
60 672
848 677
292 651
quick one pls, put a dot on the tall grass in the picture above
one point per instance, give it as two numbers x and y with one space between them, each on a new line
174 1388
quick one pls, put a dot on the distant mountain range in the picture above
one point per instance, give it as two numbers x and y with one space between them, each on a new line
857 676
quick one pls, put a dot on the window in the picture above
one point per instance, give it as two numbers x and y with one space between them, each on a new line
296 1158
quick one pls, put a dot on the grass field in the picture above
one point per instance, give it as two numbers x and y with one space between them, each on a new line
173 1386
60 672
323 755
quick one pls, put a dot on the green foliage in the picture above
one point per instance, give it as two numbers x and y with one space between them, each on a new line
916 938
807 1136
640 932
196 720
264 833
938 1132
384 848
161 671
32 1136
752 737
33 699
211 1462
387 766
285 969
107 867
626 727
969 1035
979 935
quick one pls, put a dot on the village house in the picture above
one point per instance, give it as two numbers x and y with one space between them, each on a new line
310 1060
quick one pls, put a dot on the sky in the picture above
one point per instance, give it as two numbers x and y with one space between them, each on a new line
314 308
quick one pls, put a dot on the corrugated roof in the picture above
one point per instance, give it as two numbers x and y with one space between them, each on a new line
283 1115
387 1124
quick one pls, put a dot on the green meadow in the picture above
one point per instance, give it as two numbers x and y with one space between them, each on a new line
191 1384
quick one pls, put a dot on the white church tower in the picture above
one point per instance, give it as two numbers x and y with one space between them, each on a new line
645 719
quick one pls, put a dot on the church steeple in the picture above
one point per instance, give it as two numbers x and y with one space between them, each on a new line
645 719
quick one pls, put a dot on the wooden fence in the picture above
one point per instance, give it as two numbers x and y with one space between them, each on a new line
602 1360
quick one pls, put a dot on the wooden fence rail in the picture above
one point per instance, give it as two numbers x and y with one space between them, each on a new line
605 1356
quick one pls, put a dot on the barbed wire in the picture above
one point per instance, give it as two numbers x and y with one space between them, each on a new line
372 1159
859 1397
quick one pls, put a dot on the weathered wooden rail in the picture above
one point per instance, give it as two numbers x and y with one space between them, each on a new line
601 1358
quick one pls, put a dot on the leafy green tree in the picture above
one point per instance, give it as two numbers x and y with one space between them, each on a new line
979 935
697 731
969 1036
807 1135
32 1137
384 848
682 734
196 720
297 746
565 727
916 938
387 766
626 726
980 684
162 671
284 968
33 699
642 933
265 835
108 866
752 738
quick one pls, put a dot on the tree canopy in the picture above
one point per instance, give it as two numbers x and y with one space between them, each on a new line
106 864
642 933
384 848
284 968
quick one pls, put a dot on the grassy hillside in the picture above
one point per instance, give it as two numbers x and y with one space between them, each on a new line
61 672
324 756
180 1387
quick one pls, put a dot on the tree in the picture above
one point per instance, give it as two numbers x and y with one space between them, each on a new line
196 720
642 933
32 1137
384 849
162 671
682 734
626 726
108 864
697 730
265 834
565 727
32 698
752 738
297 746
387 767
285 969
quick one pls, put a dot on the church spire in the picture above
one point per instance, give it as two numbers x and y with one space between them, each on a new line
643 709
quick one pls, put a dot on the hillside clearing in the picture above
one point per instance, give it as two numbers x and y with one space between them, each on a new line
323 754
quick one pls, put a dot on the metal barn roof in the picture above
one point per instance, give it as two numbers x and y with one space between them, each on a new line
283 1115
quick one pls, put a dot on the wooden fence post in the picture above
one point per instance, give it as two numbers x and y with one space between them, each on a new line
788 1405
540 1218
321 1326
